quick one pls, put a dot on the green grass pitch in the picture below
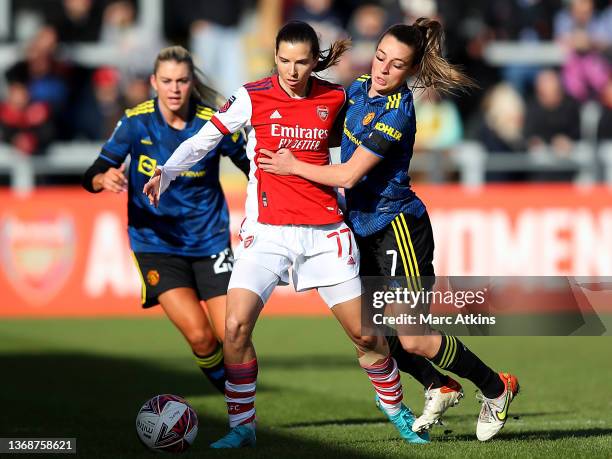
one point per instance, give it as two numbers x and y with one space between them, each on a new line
88 378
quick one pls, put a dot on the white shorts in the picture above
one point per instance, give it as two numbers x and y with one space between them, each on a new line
253 277
318 256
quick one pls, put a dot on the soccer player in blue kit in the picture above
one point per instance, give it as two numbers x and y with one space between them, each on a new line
386 215
182 248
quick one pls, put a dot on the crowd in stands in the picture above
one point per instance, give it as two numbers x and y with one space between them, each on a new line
517 108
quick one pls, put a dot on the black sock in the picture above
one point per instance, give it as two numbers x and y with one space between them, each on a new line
416 366
456 357
212 366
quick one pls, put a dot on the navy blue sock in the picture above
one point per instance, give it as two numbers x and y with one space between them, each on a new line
416 366
456 357
212 366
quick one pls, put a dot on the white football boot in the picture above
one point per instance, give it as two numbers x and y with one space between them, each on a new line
437 401
494 411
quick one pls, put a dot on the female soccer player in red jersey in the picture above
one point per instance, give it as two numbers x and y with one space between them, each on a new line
291 223
386 215
182 260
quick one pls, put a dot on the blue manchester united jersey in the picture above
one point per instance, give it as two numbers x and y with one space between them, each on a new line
192 219
384 125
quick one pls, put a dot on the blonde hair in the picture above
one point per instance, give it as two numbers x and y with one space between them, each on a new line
504 112
202 91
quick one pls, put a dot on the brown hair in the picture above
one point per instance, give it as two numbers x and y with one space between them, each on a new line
203 92
426 38
301 32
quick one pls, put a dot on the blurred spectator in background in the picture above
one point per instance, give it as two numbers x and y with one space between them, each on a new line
552 123
604 30
215 38
528 21
42 71
96 119
414 9
321 15
137 89
501 128
440 126
440 129
367 23
135 44
553 119
24 123
25 19
468 36
585 70
77 20
503 120
46 77
604 128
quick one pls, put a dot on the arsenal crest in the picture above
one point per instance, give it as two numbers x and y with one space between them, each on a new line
366 119
37 253
323 112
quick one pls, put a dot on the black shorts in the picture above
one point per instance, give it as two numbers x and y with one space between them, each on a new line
404 249
160 272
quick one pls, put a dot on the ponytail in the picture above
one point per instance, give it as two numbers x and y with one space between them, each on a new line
426 38
331 56
205 93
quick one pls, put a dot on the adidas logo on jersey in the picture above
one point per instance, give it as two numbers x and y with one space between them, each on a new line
351 261
275 115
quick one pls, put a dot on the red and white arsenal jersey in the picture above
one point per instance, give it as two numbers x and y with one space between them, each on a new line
274 120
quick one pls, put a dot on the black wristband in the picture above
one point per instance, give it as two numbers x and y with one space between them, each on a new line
100 166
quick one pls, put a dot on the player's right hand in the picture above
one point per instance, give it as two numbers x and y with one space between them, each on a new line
114 180
151 188
281 162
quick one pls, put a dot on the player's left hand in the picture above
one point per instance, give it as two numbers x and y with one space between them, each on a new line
281 162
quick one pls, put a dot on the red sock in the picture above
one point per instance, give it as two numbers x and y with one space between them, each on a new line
386 381
241 379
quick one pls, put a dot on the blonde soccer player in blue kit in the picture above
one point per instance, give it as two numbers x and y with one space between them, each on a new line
182 248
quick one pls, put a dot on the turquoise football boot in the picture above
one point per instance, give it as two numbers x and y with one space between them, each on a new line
238 437
403 423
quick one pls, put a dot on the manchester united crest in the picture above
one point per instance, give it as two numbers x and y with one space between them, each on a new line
153 277
366 119
323 112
